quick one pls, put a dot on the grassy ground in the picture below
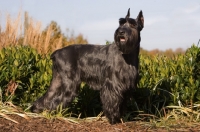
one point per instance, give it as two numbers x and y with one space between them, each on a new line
12 118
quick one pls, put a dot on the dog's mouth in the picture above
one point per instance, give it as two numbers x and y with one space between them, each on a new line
122 39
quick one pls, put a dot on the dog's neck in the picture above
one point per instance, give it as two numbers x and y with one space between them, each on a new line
132 58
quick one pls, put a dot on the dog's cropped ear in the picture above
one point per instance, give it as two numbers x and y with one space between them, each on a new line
128 14
140 21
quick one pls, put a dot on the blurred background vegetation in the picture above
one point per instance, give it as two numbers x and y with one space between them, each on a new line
28 32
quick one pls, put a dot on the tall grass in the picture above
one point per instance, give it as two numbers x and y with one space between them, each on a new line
9 34
23 30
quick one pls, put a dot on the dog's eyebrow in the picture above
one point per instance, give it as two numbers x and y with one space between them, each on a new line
132 21
122 21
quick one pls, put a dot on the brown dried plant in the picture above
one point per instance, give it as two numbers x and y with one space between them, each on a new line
26 31
8 36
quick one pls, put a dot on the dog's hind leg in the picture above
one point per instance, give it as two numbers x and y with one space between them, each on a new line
70 87
50 99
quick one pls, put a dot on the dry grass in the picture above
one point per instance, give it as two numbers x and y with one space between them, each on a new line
26 31
8 35
8 108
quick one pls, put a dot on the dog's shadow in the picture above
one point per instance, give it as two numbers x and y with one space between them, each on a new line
87 103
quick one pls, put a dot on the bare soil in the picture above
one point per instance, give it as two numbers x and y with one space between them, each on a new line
59 125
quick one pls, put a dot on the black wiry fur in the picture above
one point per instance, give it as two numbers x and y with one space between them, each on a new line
112 69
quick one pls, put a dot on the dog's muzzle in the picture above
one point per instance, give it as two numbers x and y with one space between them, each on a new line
122 39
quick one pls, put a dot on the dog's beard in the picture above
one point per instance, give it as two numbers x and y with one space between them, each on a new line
126 46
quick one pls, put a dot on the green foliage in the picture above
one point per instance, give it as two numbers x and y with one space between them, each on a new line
169 81
24 75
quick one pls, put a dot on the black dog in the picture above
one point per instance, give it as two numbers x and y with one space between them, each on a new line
112 69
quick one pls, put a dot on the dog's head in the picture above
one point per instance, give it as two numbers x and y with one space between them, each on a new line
127 35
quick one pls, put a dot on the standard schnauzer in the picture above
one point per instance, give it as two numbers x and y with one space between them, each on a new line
112 69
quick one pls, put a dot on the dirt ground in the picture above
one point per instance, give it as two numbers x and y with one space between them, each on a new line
58 125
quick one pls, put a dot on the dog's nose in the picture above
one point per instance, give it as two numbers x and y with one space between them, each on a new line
121 32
